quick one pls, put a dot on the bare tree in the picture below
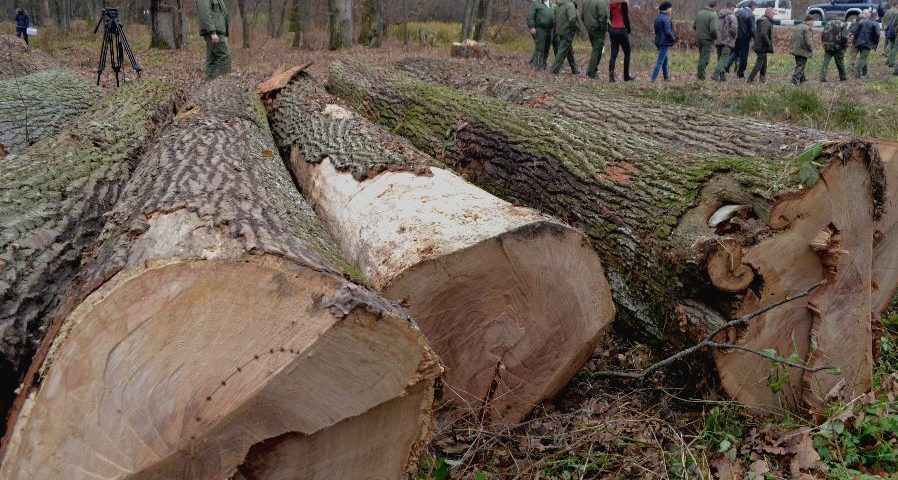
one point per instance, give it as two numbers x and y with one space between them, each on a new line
405 22
468 20
372 23
340 13
244 23
297 20
484 16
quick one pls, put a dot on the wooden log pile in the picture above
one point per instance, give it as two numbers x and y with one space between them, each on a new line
687 238
54 195
40 104
214 334
512 301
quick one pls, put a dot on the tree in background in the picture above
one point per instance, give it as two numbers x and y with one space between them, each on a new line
244 23
484 16
468 19
340 13
373 24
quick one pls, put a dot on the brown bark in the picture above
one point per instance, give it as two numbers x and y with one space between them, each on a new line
646 204
340 21
467 23
244 24
456 259
484 17
213 320
372 30
53 198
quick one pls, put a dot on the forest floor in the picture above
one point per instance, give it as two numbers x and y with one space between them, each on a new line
597 427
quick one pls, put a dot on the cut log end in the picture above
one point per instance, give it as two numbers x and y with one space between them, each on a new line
470 49
174 369
532 301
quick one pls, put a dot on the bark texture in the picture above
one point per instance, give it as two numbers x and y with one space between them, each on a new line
53 198
684 127
373 23
340 17
487 282
38 105
213 318
647 206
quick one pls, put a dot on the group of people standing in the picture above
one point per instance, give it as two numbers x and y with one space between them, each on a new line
731 32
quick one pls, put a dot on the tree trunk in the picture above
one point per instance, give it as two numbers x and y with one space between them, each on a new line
467 22
340 15
215 333
372 23
244 24
484 17
298 37
269 24
282 13
405 16
53 196
452 253
38 105
155 41
647 206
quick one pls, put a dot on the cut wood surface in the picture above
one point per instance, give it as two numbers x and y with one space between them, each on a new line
676 125
646 205
511 300
470 49
217 335
37 105
53 197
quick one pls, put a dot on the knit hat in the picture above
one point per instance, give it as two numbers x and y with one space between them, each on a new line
665 6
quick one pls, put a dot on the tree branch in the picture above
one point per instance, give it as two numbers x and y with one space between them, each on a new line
708 341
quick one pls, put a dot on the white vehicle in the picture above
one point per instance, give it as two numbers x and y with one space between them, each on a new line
783 8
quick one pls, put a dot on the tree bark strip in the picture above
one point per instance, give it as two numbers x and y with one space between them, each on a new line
213 320
487 282
53 197
647 205
38 105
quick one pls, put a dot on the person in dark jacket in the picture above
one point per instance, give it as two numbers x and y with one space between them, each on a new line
744 33
664 39
567 25
22 23
620 38
866 39
763 45
541 21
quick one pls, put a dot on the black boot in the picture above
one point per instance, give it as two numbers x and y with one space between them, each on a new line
611 77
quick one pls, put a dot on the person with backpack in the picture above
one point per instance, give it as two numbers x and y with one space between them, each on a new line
763 45
22 23
620 38
726 41
866 39
706 27
567 25
890 24
835 40
745 17
664 39
802 48
596 14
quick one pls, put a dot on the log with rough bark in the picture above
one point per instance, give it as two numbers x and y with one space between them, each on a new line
217 336
53 196
685 127
38 105
512 301
470 49
686 239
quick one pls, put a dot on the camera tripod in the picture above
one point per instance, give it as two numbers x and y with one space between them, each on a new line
116 43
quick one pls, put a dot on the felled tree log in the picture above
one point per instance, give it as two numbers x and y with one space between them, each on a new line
37 105
684 127
53 196
218 335
512 301
470 49
678 262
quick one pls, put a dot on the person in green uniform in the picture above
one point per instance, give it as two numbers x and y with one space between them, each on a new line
802 48
541 22
212 18
835 40
596 18
890 27
706 27
566 27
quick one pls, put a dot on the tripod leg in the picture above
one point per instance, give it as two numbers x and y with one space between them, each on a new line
119 56
102 65
131 58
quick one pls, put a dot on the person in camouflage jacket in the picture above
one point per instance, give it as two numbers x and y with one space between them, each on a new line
726 41
835 40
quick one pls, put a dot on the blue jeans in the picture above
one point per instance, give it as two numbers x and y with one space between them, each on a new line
662 63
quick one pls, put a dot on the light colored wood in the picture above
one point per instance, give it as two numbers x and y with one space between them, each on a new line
470 49
885 237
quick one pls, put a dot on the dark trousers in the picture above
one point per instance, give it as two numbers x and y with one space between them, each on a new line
22 32
597 39
839 57
760 68
798 76
541 43
565 52
739 56
620 40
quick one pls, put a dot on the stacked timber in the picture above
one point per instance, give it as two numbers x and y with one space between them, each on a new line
215 334
687 239
40 104
511 300
53 198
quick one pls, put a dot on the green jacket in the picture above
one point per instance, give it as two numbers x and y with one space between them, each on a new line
541 15
888 17
706 25
566 18
596 16
212 17
803 41
764 36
